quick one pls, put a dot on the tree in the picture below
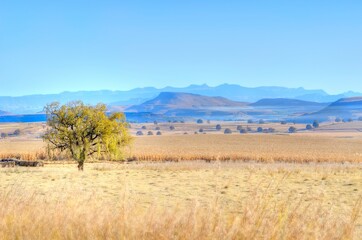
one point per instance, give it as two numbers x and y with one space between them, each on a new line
199 121
315 124
259 129
227 131
292 130
82 131
308 127
218 127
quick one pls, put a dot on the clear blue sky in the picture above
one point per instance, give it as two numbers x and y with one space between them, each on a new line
51 46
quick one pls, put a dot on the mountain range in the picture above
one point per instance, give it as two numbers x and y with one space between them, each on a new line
114 99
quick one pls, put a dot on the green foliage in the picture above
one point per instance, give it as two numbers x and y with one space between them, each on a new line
83 131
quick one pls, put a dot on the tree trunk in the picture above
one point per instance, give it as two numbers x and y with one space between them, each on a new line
81 165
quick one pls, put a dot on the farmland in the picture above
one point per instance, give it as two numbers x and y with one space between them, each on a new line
305 185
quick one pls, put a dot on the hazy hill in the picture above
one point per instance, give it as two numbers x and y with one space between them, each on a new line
343 108
2 113
285 102
171 101
35 103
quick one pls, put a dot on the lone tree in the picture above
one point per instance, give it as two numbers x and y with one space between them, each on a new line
83 131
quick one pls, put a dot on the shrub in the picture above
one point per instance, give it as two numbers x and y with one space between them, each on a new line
158 133
308 127
239 127
139 133
338 119
172 127
271 130
157 128
350 120
315 124
261 121
218 127
243 130
283 122
144 127
227 131
250 121
150 133
259 129
17 132
155 122
201 130
199 121
4 135
292 130
249 129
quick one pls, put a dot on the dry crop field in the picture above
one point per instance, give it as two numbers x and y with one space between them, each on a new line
306 185
185 200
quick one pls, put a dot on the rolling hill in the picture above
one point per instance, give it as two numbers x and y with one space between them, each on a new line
343 108
285 102
180 103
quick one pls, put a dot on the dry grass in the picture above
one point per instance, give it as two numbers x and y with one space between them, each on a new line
190 200
299 148
260 148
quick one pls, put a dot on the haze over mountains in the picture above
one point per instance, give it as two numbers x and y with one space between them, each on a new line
34 103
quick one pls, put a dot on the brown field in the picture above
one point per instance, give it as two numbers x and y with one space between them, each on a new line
310 188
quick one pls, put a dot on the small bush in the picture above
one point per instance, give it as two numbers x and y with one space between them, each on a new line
292 130
157 128
158 133
4 135
144 127
338 119
17 132
139 133
250 121
283 122
261 121
239 127
315 124
227 131
150 133
172 127
308 127
243 130
199 121
155 122
201 130
259 129
218 127
271 130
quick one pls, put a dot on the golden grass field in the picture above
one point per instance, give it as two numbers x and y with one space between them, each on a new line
306 185
187 200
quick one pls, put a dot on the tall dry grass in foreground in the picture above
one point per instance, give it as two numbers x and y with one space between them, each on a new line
26 215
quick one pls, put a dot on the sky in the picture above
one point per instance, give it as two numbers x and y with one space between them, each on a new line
70 45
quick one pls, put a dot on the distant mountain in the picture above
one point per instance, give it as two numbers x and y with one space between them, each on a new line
167 102
3 113
343 108
35 103
285 102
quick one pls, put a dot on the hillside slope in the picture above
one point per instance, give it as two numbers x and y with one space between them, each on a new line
171 101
